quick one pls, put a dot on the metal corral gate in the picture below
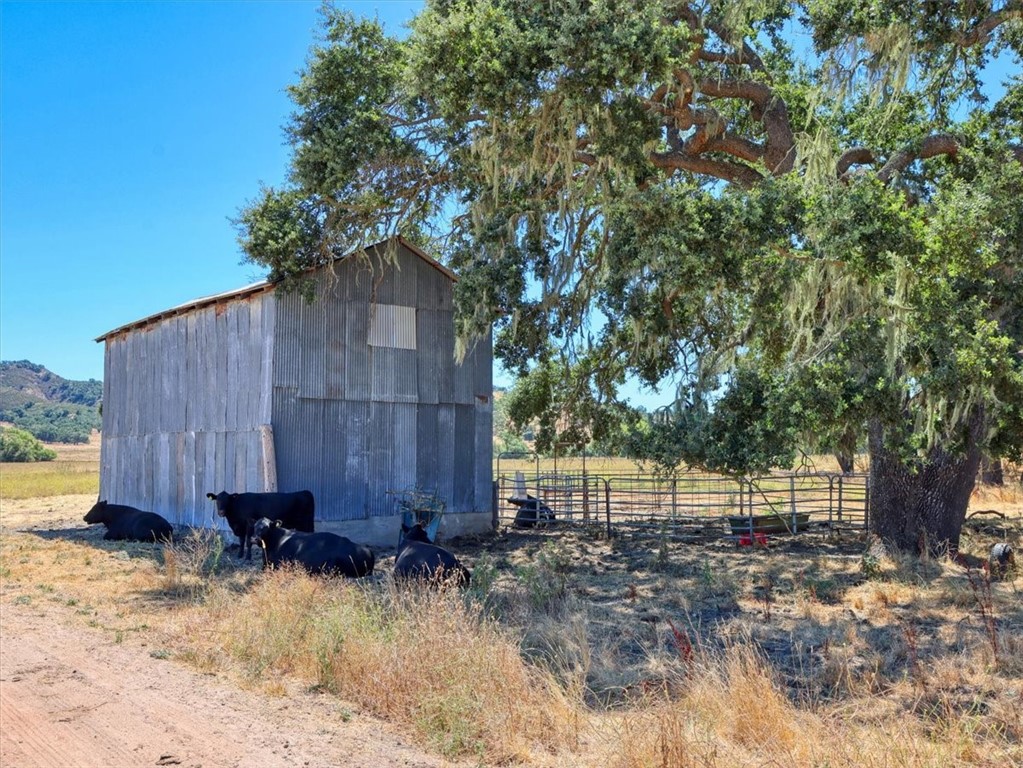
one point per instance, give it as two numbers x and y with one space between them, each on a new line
690 505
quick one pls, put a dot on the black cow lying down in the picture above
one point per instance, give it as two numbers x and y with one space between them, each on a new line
126 523
531 512
318 553
294 510
418 559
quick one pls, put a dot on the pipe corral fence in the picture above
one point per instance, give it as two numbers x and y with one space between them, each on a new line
686 506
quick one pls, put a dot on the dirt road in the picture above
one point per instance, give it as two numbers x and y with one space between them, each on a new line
72 697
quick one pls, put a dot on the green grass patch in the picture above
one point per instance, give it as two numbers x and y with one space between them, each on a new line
50 478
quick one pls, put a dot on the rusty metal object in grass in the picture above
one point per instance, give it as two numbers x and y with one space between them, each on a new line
775 523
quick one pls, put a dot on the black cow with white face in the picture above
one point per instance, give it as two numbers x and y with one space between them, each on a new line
322 553
420 560
126 523
294 510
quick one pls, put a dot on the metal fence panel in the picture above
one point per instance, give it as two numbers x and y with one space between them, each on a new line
694 504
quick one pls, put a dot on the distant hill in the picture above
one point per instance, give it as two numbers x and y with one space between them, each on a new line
54 409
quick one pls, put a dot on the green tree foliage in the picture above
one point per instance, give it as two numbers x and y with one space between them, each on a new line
507 434
812 243
19 445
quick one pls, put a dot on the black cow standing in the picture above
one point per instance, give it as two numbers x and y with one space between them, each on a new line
418 559
322 553
294 510
126 523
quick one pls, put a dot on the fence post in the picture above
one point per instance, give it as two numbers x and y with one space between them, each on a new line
831 503
866 503
792 503
674 497
840 481
586 497
607 506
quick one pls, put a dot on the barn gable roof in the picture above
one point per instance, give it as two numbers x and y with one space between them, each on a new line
260 287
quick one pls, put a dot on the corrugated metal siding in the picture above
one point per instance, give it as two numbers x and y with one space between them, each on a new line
464 378
298 443
286 330
312 379
389 420
483 458
356 501
434 289
357 381
335 341
444 322
405 278
380 460
465 455
405 464
444 482
393 375
334 457
429 364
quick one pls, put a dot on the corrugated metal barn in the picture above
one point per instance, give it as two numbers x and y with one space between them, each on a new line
354 397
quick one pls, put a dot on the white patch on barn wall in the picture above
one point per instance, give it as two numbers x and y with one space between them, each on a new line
391 325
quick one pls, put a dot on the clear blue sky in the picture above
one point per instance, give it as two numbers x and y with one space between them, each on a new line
130 133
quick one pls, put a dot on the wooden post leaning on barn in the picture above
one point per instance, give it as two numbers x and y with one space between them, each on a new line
269 458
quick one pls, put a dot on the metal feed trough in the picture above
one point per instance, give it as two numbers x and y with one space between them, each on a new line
687 506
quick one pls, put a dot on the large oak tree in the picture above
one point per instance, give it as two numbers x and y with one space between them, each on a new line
805 215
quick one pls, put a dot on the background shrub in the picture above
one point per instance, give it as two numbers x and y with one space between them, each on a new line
19 445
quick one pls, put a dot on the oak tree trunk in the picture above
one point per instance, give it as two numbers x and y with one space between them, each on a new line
920 506
846 462
845 451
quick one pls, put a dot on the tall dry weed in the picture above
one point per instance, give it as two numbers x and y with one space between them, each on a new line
732 712
190 562
426 658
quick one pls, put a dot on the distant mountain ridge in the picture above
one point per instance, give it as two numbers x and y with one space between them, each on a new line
52 408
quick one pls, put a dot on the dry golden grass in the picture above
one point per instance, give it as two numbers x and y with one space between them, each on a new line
428 659
524 689
74 471
572 650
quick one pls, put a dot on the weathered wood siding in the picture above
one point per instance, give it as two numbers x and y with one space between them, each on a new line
353 421
186 406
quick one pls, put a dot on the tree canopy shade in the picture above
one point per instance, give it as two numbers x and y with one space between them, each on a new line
805 214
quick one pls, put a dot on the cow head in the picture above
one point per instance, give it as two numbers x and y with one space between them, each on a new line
416 533
222 500
261 528
98 514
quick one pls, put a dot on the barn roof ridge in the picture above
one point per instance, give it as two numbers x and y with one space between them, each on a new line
264 285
